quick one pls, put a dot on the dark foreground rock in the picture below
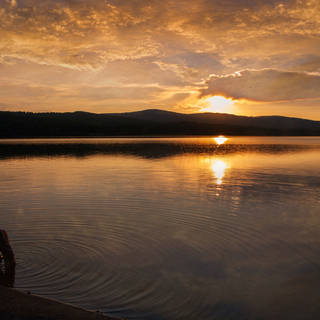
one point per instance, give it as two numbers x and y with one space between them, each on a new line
17 305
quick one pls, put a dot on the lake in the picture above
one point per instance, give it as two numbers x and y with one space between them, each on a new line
171 228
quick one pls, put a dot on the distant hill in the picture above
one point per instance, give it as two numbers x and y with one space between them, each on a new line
148 123
163 116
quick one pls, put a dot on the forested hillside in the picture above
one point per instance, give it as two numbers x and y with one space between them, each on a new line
25 124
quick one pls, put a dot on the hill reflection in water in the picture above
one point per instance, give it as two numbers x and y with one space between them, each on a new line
149 148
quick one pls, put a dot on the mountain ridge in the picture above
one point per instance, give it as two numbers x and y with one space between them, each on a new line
273 121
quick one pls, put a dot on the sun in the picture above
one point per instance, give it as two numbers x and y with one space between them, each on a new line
218 104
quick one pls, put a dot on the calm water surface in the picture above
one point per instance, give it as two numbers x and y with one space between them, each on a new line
167 228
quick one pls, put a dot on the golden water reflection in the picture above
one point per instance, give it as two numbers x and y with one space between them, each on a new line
220 140
218 168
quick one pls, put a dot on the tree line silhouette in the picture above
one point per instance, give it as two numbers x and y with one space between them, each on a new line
83 124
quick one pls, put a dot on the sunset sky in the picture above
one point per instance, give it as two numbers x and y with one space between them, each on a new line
247 57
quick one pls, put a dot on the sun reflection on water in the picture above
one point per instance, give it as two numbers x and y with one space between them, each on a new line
218 168
220 140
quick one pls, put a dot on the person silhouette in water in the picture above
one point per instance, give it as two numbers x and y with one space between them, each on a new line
6 250
8 276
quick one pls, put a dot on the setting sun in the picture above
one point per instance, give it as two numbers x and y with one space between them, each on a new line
218 104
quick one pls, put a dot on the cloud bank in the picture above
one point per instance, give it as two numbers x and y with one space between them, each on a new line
264 85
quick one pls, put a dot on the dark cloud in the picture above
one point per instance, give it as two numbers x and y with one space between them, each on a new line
265 85
309 63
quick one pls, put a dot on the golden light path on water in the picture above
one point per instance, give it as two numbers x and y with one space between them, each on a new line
218 168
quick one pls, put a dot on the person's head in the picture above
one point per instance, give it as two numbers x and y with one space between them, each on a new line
6 250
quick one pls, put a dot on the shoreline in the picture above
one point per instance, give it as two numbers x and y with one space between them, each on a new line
19 305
